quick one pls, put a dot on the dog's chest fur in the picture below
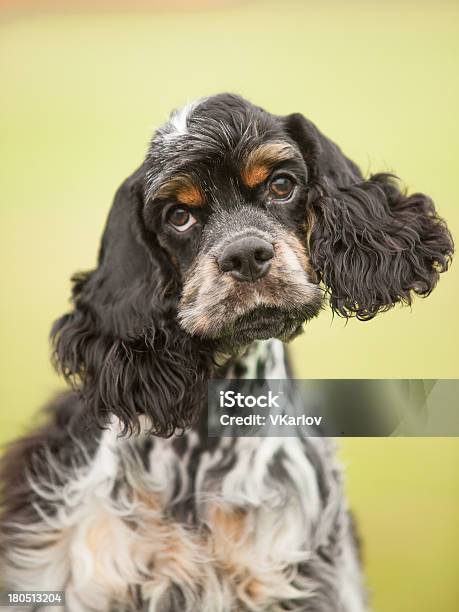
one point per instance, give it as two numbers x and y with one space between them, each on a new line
192 523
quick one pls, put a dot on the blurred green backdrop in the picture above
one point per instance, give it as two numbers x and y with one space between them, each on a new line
81 93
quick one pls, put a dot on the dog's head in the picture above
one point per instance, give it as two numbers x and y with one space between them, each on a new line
226 194
232 230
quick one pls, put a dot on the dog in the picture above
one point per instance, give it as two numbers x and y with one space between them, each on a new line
233 233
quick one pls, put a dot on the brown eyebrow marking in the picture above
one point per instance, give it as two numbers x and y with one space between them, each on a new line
183 189
259 162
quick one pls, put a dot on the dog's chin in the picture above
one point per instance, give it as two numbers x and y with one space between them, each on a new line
262 323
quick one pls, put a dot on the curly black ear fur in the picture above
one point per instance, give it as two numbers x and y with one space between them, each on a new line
120 347
371 244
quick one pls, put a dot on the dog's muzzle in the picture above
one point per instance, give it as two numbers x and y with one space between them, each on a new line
249 281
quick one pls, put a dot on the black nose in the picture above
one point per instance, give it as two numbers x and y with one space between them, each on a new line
247 259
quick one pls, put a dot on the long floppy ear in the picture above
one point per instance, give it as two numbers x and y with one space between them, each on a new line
120 346
371 244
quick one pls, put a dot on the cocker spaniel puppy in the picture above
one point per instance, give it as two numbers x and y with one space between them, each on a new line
216 251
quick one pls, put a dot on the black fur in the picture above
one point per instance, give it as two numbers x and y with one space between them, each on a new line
371 244
125 353
121 347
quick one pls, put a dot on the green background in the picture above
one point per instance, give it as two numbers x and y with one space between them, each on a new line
80 95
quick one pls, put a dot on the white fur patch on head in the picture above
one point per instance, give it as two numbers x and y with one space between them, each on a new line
178 121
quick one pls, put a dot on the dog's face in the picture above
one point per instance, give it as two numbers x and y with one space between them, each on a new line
226 196
232 230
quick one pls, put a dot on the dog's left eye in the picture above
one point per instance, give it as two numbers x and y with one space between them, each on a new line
281 187
180 218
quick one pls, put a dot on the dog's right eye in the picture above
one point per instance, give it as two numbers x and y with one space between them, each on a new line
281 187
180 218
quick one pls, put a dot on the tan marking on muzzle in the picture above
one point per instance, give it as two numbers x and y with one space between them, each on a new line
300 253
